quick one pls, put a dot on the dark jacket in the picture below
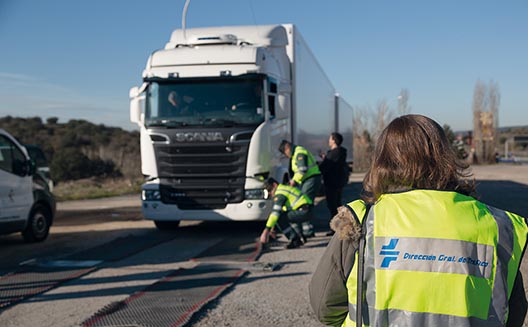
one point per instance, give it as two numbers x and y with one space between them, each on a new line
334 167
328 292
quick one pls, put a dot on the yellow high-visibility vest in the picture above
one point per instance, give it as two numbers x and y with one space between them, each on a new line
436 258
300 174
294 200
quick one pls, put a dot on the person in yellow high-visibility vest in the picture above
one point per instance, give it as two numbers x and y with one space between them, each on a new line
418 249
290 207
306 174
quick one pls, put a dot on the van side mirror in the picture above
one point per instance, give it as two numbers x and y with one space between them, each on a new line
24 168
32 167
137 104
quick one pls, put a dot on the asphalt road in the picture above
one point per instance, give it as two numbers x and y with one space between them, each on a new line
133 256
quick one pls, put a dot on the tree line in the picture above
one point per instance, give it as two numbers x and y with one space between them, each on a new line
79 149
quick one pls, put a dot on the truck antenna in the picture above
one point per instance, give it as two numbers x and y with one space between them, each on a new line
184 17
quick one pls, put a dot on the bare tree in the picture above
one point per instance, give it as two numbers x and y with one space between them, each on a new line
381 117
369 123
494 102
362 138
403 102
486 100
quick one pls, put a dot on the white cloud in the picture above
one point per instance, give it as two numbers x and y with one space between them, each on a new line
16 77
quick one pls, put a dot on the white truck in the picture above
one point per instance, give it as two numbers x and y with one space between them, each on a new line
213 107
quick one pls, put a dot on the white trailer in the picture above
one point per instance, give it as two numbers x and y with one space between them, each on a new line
243 89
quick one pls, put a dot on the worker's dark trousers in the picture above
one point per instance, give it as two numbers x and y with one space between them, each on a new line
288 222
333 198
310 187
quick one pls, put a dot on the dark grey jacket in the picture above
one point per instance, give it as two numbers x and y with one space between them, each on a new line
328 292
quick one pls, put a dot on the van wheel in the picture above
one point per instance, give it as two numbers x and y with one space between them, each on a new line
38 225
167 225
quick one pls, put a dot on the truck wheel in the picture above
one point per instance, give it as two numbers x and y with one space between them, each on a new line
38 225
166 225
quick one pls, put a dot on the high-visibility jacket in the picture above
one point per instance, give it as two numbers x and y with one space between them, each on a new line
286 198
436 258
303 164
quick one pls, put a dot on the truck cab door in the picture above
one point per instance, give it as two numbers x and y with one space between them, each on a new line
16 193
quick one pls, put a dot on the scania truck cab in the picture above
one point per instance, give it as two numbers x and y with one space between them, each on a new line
213 107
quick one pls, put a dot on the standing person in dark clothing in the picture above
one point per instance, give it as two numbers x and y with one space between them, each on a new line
334 169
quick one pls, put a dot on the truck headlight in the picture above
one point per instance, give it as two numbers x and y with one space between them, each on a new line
150 195
256 194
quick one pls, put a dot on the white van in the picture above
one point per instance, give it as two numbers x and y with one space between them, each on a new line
25 206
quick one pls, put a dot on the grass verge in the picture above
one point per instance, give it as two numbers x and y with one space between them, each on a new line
94 188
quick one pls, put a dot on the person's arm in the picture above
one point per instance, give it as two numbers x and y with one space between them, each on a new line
278 203
327 289
517 303
324 166
333 155
331 161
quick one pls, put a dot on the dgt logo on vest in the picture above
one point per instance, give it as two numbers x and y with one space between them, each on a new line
389 253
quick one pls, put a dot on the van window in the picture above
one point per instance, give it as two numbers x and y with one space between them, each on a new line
10 155
36 154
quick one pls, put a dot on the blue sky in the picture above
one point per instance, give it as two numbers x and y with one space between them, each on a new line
78 59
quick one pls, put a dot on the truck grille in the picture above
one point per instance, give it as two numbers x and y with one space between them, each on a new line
202 175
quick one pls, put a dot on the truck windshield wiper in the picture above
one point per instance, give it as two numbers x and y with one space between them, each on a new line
166 123
220 121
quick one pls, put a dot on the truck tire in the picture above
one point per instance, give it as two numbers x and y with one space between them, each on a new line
167 225
38 225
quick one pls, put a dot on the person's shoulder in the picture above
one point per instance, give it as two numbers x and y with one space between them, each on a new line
279 198
346 222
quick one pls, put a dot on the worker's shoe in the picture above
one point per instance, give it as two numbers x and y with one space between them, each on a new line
294 243
308 230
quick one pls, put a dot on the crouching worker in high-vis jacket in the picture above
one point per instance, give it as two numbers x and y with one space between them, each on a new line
418 249
290 207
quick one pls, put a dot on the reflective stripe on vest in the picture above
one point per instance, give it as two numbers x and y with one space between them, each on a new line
309 171
294 197
420 272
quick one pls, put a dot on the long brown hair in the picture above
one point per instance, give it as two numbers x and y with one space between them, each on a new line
413 153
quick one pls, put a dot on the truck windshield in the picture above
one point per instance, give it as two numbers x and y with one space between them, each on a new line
223 102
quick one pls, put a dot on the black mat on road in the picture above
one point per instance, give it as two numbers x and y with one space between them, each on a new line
22 285
38 277
173 300
170 302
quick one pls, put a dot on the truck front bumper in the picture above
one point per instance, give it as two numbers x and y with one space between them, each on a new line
248 210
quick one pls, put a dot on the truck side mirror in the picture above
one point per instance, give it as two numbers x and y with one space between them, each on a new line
137 104
285 88
271 106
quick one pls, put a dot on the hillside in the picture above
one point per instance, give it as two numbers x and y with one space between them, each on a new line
79 149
